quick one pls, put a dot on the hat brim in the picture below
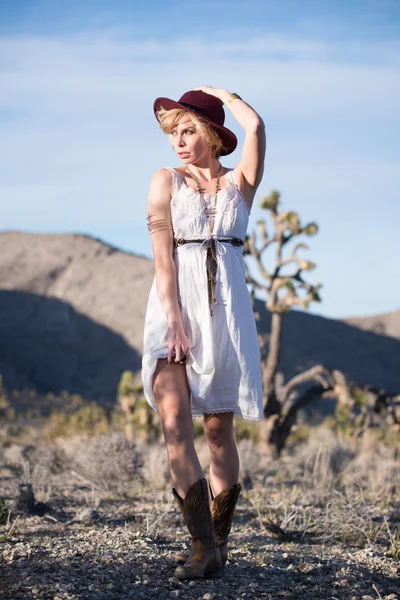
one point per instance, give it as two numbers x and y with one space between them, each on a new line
228 138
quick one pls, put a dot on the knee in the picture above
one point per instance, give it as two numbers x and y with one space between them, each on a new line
218 434
176 431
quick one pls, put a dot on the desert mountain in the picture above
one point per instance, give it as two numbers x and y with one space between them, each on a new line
385 323
72 314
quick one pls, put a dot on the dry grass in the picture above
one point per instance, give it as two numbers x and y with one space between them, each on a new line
321 521
325 489
109 463
330 489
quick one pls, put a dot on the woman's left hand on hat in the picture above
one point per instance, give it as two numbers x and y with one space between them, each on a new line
221 94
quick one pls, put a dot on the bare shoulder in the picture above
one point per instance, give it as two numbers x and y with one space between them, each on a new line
162 177
161 187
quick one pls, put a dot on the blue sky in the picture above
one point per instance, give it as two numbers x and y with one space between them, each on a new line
79 141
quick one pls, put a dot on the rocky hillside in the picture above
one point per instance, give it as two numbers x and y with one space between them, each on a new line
72 312
386 323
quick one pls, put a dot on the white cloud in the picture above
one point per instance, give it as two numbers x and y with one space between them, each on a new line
81 144
76 75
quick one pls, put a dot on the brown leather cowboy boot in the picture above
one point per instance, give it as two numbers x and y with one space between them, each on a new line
204 558
222 511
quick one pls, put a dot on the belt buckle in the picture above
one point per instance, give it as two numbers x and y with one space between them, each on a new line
179 241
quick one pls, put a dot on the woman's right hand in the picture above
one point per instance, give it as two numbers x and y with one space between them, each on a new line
178 342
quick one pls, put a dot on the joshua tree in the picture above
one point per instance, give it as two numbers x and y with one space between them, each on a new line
355 406
283 292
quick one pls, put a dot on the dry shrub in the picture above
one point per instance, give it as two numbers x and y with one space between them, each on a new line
155 466
249 456
90 419
334 488
250 462
322 459
110 463
44 462
376 469
37 465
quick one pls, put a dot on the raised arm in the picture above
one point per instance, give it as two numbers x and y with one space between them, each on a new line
249 171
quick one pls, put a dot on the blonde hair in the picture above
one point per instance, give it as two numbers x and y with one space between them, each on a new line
169 119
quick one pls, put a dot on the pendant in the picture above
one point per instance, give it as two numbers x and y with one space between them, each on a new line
211 267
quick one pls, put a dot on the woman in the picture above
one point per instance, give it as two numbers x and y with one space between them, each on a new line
201 353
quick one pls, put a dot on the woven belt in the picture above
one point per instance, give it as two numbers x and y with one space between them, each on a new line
211 260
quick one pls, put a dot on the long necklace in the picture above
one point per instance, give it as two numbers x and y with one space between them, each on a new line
211 257
202 191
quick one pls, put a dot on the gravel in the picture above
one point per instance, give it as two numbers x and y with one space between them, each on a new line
102 559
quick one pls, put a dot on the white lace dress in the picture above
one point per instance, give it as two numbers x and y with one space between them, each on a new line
223 366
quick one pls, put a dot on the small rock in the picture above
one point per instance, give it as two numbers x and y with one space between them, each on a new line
367 597
107 558
86 515
14 454
209 596
174 581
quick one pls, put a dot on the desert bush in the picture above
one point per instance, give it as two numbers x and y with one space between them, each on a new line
110 462
246 430
250 461
375 469
330 489
90 419
127 384
322 458
35 465
155 466
40 467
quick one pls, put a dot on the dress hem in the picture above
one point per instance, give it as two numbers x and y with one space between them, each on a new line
215 411
225 410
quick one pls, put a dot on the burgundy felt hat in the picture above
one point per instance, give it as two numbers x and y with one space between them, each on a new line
206 106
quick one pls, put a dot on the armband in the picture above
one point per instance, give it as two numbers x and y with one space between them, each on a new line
154 225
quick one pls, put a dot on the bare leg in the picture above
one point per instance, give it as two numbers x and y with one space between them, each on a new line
224 456
172 394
